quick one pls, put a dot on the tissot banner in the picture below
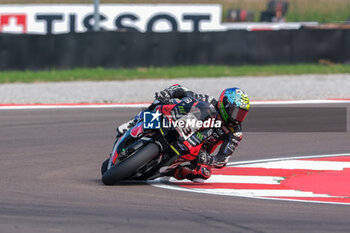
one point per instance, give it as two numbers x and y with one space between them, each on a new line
65 18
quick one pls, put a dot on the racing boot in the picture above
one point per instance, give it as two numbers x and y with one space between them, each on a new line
121 130
198 174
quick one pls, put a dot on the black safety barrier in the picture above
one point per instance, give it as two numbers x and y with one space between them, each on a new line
296 119
134 49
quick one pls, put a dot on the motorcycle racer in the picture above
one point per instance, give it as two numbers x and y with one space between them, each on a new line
231 109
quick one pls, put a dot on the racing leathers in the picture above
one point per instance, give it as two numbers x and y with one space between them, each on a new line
226 136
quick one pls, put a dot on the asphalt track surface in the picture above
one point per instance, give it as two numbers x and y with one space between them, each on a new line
50 181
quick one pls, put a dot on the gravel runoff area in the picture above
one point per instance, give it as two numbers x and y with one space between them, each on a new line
258 88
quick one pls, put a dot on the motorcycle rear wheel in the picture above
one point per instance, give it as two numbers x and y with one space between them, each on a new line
124 169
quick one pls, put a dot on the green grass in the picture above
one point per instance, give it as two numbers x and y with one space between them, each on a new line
167 72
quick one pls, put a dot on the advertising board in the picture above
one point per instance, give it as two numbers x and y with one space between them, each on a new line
66 18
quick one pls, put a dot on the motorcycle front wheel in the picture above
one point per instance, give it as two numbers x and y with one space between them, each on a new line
129 166
104 166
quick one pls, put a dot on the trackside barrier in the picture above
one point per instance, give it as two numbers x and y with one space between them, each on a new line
134 49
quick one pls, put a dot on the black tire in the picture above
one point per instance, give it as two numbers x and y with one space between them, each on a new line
127 167
104 166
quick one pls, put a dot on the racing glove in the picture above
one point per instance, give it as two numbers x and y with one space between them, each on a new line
204 158
211 160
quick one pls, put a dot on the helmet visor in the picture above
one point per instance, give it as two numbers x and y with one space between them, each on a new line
237 114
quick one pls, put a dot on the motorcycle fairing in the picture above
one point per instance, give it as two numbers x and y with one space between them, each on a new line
137 130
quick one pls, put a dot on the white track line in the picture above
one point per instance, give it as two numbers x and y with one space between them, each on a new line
142 105
287 158
172 187
271 194
301 164
240 179
252 193
263 192
63 106
291 102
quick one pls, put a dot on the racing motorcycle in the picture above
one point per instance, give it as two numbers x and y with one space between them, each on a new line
149 151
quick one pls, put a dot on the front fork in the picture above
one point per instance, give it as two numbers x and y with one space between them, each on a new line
114 155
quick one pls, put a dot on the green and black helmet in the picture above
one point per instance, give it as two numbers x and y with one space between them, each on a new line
233 105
